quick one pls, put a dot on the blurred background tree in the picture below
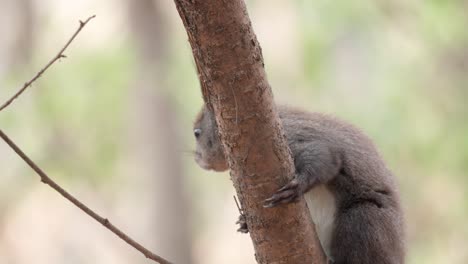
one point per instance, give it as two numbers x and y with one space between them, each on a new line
113 121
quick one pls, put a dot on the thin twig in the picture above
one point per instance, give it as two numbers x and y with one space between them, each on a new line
104 221
238 207
56 58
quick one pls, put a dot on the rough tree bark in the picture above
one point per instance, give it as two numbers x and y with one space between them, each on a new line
231 71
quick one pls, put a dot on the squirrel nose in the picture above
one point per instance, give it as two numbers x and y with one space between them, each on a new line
197 132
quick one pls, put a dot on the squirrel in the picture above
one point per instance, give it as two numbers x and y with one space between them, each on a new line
351 194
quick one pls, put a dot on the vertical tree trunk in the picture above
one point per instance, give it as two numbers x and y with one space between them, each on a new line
231 71
24 43
17 21
155 135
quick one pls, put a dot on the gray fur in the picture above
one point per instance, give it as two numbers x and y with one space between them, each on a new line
367 225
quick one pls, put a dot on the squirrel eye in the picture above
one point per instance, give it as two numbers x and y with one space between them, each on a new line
197 132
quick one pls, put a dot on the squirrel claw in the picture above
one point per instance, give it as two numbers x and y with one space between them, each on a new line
287 194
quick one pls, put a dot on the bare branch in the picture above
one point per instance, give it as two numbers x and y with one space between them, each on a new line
54 59
104 221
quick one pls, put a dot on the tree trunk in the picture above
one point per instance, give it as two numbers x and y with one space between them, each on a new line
156 140
231 71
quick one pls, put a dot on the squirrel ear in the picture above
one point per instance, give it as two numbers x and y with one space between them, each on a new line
197 132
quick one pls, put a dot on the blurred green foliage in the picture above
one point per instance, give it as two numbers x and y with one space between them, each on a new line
397 69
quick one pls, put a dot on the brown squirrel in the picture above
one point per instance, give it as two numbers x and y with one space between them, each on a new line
351 194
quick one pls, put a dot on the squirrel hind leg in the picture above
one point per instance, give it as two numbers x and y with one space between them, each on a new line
242 222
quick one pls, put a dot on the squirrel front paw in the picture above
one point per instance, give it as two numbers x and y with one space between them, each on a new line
288 194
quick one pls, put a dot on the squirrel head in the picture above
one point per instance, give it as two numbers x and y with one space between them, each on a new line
209 152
